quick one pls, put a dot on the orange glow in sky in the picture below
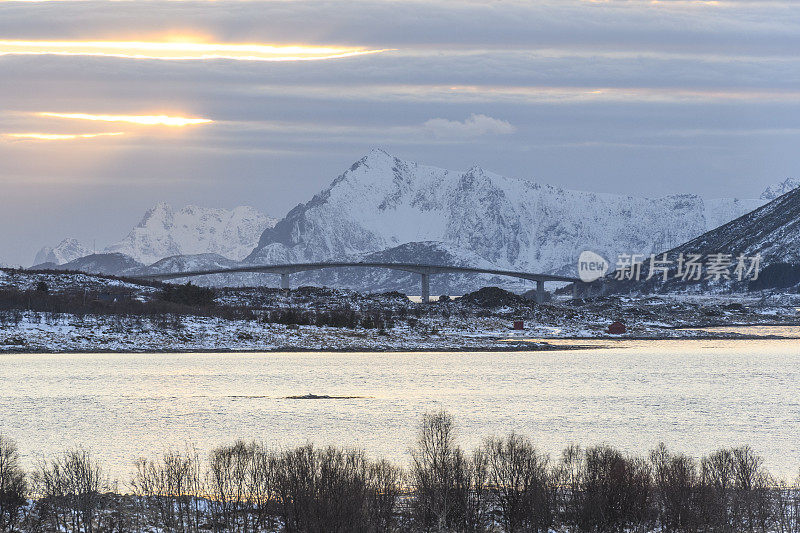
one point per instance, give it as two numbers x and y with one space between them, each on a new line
145 120
177 50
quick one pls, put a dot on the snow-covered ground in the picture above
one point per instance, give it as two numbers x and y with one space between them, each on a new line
469 323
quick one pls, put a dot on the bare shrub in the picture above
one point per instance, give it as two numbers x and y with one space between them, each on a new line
69 492
168 489
522 483
13 485
323 491
384 482
615 491
676 483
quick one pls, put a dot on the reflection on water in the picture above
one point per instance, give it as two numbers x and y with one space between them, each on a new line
694 395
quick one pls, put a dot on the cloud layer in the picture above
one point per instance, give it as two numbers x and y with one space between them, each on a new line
648 97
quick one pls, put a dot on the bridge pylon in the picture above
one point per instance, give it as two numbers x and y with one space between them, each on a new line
425 294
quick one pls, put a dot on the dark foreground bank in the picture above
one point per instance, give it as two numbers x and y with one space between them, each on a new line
505 485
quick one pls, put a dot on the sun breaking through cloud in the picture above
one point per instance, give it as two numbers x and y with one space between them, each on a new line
180 50
59 136
145 120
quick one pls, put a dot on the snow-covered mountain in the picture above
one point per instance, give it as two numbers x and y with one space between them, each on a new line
187 263
383 202
771 231
66 251
164 232
780 189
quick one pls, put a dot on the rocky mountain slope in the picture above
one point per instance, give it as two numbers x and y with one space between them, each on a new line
383 202
771 232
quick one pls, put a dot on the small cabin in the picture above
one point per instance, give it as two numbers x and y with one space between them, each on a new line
617 328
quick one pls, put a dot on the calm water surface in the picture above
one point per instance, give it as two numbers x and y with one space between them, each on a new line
693 395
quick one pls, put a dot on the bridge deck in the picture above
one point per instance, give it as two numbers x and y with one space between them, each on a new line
425 272
407 267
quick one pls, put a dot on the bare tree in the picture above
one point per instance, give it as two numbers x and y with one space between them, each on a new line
261 487
168 489
753 510
228 484
616 491
676 482
522 484
435 472
570 472
13 485
69 491
324 491
477 512
384 482
717 479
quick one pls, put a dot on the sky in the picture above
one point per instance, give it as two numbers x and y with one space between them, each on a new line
107 108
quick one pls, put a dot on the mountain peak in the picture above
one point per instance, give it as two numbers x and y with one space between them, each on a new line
476 170
161 211
376 157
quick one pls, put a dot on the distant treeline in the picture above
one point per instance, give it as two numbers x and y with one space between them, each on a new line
304 306
172 301
506 485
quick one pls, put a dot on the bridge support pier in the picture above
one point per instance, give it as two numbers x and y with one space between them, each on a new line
285 281
539 291
426 288
574 291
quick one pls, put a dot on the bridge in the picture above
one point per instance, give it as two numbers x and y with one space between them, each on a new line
425 272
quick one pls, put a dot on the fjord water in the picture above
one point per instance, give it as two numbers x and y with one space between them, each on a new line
693 395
